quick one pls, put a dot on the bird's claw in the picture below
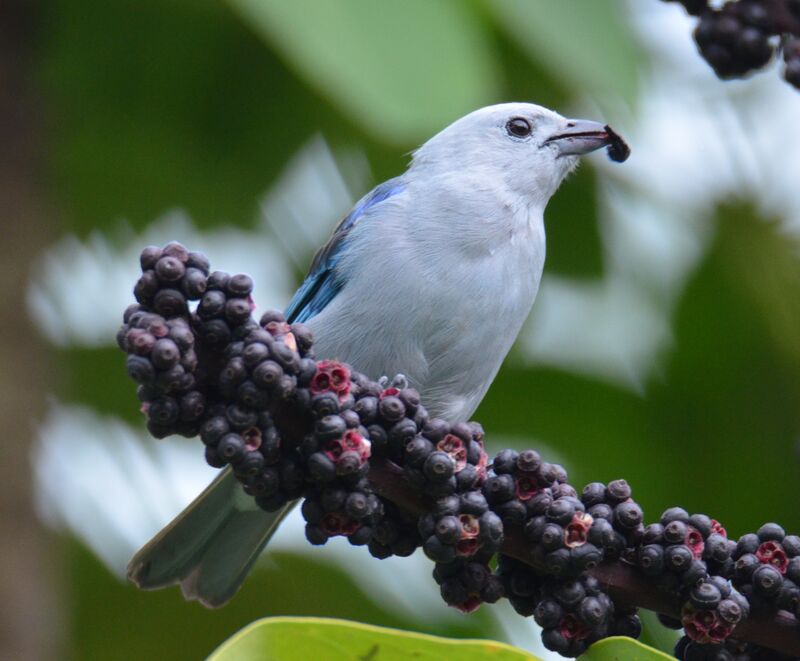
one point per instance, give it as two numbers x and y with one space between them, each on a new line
399 381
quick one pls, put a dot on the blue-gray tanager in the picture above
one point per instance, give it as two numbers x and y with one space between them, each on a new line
431 275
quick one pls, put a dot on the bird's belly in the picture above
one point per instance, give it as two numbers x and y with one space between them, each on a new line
465 356
448 338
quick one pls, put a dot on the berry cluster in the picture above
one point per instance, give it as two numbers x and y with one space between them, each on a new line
616 517
224 309
466 583
767 569
522 584
291 427
395 534
575 613
731 650
720 581
712 611
160 343
680 550
459 526
741 36
171 276
337 510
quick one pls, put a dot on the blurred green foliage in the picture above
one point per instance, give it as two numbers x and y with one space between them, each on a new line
359 54
562 36
716 429
169 103
109 620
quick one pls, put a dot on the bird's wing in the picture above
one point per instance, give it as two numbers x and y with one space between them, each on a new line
322 283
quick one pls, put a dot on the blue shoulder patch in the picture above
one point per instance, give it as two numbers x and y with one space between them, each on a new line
322 283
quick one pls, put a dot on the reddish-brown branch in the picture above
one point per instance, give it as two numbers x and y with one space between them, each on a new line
625 585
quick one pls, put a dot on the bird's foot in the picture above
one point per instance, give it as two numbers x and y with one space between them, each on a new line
399 381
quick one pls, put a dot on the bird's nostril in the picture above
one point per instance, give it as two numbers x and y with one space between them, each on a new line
570 124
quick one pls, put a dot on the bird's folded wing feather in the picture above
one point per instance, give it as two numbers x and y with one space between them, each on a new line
322 283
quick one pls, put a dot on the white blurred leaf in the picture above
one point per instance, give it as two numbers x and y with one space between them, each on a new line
80 288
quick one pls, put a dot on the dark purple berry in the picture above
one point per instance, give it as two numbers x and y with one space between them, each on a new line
771 532
448 530
766 581
618 491
231 448
473 502
218 280
192 406
569 593
593 493
169 303
149 256
391 408
548 613
177 250
730 611
701 523
628 515
169 269
240 285
674 514
237 310
678 558
140 369
705 596
213 429
438 466
675 532
529 461
163 411
146 287
165 354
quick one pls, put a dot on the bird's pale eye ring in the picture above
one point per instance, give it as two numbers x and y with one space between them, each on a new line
519 127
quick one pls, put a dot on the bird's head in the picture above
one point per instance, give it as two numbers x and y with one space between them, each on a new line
524 147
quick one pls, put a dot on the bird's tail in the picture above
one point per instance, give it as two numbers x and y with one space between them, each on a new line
209 547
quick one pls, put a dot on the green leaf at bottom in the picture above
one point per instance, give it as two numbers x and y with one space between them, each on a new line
292 638
623 649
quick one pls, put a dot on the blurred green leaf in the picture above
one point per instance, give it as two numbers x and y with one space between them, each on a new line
145 122
722 404
290 638
656 634
727 409
161 625
612 437
114 393
622 649
573 236
774 285
588 43
526 79
404 69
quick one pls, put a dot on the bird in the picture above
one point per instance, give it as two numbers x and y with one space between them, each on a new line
431 275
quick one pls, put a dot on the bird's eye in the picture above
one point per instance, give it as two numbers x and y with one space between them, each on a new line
519 127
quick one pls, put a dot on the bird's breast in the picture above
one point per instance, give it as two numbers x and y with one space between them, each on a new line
442 311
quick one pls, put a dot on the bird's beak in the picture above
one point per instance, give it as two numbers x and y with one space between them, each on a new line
580 136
